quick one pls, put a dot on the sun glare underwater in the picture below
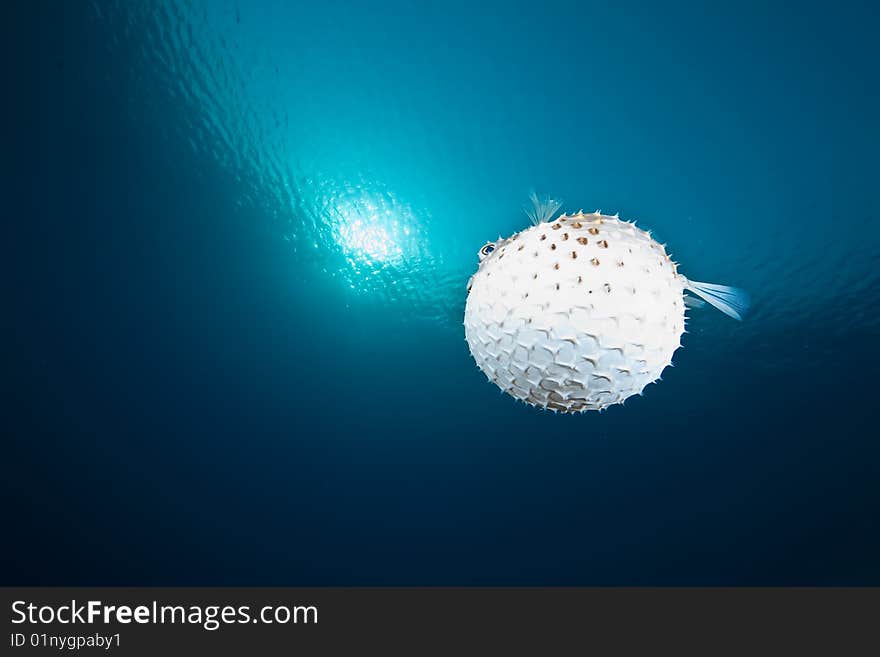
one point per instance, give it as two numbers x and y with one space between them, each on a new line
263 220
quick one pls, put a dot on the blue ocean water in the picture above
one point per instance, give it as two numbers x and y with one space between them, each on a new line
238 259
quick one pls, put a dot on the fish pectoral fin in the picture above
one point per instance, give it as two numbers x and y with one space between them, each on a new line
693 302
732 301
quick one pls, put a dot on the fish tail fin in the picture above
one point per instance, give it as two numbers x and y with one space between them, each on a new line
732 301
542 209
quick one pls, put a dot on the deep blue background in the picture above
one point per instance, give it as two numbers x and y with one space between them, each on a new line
209 381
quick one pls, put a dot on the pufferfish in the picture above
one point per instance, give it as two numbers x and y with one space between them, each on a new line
580 312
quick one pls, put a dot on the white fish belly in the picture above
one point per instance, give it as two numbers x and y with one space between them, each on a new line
576 314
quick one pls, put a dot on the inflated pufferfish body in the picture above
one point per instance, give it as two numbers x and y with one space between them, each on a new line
579 312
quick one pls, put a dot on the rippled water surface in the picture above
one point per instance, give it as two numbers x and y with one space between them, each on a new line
243 287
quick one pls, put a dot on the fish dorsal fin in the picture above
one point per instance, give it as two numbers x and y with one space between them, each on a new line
541 210
732 301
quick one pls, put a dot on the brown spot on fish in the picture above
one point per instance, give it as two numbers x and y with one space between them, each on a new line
595 261
582 240
603 244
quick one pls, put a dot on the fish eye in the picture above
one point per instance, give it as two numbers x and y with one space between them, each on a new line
487 249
